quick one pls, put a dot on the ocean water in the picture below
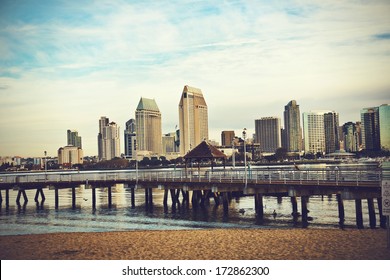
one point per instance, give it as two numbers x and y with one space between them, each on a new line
44 218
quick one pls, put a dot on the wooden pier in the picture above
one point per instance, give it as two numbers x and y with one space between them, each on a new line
220 186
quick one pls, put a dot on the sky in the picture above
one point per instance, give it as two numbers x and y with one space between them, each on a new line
64 64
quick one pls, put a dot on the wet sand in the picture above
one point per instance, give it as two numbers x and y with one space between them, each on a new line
219 244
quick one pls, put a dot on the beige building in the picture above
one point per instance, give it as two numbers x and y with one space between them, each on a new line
69 156
227 137
193 119
148 127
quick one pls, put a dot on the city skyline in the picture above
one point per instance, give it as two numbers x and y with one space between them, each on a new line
63 65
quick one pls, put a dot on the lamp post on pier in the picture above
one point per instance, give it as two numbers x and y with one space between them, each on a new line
244 137
233 155
45 159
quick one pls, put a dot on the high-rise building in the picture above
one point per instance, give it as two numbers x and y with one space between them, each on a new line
292 127
384 126
370 128
351 138
193 119
130 139
314 131
268 134
148 126
108 139
227 137
331 127
103 121
74 139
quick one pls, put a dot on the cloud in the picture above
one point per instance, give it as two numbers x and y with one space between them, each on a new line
382 36
66 64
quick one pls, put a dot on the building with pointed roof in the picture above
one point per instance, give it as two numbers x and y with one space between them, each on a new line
205 152
193 119
148 126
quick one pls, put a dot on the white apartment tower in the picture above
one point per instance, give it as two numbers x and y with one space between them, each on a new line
108 139
193 119
314 131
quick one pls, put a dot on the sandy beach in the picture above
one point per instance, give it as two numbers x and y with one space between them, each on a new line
224 244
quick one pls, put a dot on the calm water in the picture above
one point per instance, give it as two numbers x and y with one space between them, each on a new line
32 219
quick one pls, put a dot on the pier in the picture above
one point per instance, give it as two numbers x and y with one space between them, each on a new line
199 186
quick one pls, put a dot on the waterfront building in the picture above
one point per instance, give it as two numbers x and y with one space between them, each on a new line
130 138
370 128
350 136
193 119
108 139
227 137
168 143
292 127
69 156
384 126
314 132
103 122
331 127
268 134
74 139
148 127
358 126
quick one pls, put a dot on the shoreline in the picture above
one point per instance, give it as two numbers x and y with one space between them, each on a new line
204 244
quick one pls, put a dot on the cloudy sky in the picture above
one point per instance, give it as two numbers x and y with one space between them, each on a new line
63 64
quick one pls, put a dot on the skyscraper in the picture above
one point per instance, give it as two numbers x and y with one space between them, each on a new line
74 139
227 137
193 119
370 128
148 126
321 132
331 127
102 123
130 138
384 126
292 127
314 132
351 138
268 134
108 139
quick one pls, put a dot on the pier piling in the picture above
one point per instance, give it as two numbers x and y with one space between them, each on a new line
382 219
56 202
165 201
259 206
371 212
37 193
109 197
359 214
73 197
132 191
6 198
340 204
294 204
305 212
93 198
225 200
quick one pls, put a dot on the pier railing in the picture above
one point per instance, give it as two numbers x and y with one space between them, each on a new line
316 177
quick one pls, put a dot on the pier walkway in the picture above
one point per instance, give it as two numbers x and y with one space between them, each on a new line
220 185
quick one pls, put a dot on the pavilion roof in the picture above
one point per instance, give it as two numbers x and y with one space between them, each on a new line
204 151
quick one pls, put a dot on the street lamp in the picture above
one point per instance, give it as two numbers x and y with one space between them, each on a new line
244 137
233 157
45 159
136 161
